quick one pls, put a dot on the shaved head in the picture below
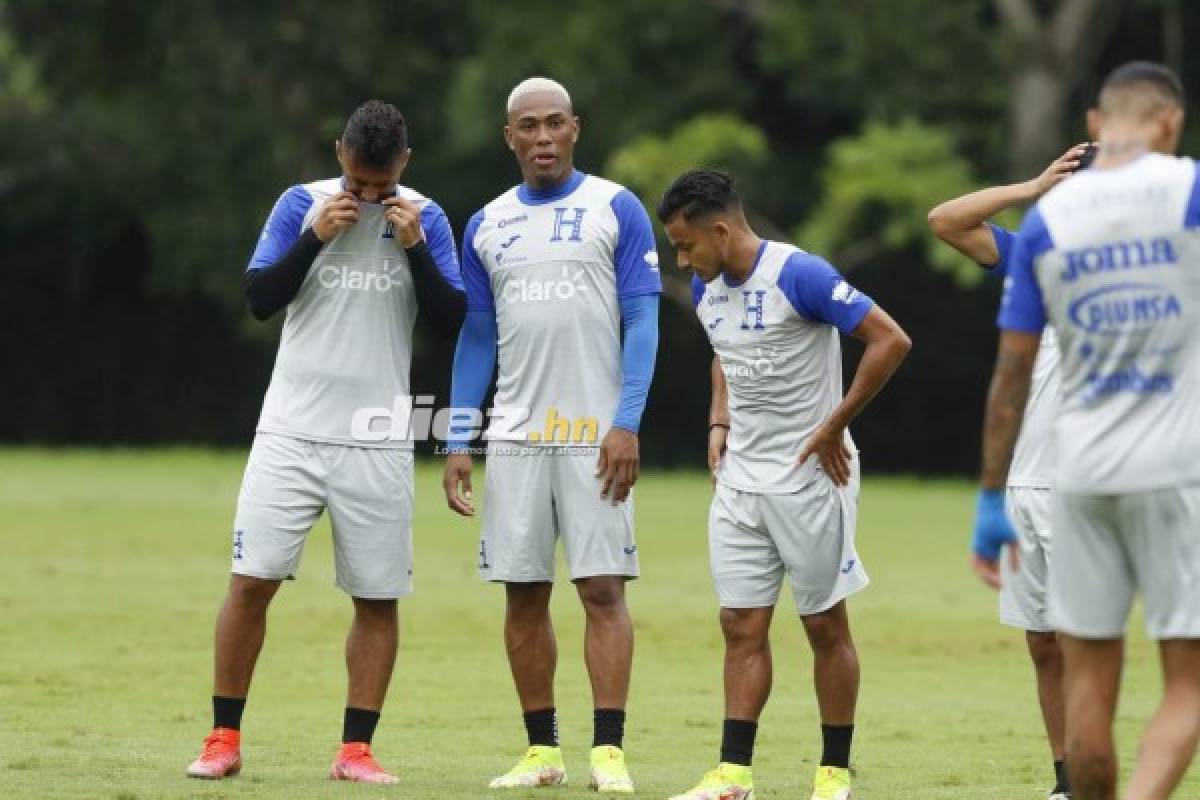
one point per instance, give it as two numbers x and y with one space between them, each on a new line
1139 90
538 86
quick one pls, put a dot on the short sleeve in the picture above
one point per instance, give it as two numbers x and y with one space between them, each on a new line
1191 217
1004 243
636 254
698 288
474 277
440 240
1022 307
283 227
819 293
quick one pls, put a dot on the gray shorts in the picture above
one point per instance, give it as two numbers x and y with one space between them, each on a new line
1023 591
755 539
536 495
369 494
1109 547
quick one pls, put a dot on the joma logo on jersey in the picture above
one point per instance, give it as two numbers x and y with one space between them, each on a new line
532 290
1118 256
346 277
1124 307
564 430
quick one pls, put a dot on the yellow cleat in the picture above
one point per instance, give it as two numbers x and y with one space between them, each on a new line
609 775
726 782
831 783
540 766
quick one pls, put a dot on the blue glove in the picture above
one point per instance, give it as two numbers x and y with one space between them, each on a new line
992 528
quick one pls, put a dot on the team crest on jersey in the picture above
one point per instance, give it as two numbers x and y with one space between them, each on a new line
753 311
570 224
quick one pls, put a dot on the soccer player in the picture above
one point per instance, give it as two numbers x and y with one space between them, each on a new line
786 470
1110 259
562 283
963 223
352 259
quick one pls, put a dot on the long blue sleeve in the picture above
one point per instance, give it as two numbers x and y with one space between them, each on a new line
474 365
639 323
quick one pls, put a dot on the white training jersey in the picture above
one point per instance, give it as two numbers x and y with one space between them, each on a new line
1111 259
342 372
777 338
553 266
1033 459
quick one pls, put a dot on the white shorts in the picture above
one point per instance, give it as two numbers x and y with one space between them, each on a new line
1023 591
754 539
535 495
369 494
1109 547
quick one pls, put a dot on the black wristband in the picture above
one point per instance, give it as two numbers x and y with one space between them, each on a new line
712 425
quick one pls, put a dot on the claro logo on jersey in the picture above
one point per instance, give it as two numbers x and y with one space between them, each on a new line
344 276
536 290
1124 307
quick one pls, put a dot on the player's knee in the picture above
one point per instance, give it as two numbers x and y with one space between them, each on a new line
1044 650
249 592
602 596
743 628
825 631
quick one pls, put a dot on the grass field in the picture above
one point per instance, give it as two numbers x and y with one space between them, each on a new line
113 565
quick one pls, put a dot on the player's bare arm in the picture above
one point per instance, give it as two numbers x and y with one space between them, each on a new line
1007 397
718 418
337 214
960 222
887 345
456 482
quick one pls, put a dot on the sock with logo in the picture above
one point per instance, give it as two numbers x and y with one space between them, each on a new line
542 727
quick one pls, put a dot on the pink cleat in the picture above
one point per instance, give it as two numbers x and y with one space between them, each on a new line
221 757
355 763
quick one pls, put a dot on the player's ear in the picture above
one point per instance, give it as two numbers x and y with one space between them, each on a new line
508 138
1094 120
575 135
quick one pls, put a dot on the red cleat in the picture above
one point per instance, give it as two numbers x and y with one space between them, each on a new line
221 757
355 763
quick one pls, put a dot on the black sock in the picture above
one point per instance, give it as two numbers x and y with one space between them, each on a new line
737 741
358 725
542 727
227 712
609 727
1061 783
836 740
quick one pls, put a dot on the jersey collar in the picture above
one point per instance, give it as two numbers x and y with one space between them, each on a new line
762 248
536 197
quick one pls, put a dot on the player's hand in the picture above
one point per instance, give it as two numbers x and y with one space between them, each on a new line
992 532
338 213
456 481
406 218
1059 169
717 435
617 466
828 444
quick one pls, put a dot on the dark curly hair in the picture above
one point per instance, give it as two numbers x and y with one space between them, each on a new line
376 134
698 194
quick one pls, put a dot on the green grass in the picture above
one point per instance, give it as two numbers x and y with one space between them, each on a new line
114 563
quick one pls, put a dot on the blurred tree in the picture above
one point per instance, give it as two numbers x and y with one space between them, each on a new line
878 188
1051 55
